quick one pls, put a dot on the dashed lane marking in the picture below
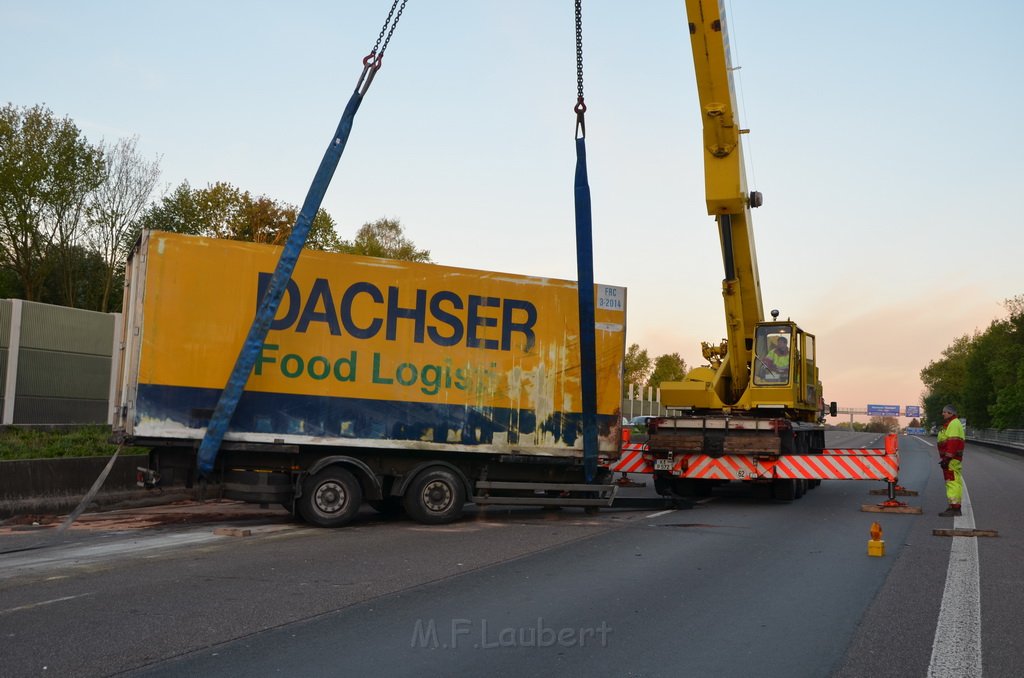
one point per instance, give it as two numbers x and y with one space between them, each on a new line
31 606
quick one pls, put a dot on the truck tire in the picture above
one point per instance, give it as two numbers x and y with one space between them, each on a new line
784 489
684 487
330 498
703 488
435 497
663 485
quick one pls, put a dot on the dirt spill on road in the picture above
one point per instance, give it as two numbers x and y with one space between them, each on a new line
177 513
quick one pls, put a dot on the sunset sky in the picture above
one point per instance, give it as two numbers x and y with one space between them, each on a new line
883 137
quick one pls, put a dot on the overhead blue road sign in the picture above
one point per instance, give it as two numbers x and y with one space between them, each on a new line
912 411
884 410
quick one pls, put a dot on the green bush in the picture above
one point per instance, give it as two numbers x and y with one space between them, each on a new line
18 442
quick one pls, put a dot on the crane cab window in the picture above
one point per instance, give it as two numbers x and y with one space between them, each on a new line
811 396
772 352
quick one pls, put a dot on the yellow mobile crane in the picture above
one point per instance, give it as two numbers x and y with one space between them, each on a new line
759 394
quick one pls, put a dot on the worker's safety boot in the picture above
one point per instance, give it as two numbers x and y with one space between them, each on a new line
951 512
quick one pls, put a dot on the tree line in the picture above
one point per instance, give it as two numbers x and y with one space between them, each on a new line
640 370
71 210
982 375
876 424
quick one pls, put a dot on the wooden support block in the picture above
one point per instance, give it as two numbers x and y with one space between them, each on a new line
751 443
961 532
878 508
899 493
676 441
232 531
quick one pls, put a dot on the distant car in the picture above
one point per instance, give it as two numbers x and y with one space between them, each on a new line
641 421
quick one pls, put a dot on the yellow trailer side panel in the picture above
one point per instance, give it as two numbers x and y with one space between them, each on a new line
370 350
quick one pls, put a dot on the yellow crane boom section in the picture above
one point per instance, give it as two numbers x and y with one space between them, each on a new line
726 192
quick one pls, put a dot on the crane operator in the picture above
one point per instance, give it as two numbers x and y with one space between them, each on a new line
778 359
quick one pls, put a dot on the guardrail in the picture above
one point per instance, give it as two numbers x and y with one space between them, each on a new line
1011 437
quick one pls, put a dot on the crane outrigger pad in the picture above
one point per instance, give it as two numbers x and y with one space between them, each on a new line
898 507
960 532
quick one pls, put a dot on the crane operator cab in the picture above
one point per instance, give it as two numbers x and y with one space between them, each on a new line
773 355
784 358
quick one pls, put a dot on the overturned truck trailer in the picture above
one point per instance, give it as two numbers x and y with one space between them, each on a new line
412 386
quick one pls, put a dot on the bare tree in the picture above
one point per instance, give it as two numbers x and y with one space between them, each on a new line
115 207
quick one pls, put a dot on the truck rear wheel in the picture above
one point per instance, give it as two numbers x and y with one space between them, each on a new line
784 489
436 496
331 498
663 485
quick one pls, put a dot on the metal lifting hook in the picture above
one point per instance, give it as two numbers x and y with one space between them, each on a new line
371 64
581 127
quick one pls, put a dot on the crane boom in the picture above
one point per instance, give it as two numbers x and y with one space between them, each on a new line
726 194
760 394
726 189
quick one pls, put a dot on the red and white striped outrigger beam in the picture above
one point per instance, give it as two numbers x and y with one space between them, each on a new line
632 460
832 464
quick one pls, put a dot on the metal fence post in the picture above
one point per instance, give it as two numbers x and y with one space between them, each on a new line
13 349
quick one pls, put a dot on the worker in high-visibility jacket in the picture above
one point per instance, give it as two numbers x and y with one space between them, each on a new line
951 457
778 360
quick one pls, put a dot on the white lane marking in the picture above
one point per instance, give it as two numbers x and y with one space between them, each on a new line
956 650
660 513
30 606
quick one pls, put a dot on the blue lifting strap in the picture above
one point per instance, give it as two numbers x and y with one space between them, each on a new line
250 351
585 284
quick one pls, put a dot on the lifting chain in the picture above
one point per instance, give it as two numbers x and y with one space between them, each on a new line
389 31
372 61
581 107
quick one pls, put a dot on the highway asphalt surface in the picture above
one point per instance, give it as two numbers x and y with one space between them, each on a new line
733 587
